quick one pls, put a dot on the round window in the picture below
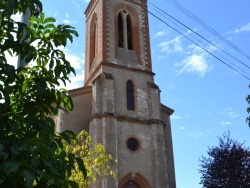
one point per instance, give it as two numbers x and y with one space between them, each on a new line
133 144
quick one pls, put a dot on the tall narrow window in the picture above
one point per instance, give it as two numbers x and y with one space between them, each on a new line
130 96
120 31
93 41
124 30
129 33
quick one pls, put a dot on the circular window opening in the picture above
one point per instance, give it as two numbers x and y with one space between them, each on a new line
133 144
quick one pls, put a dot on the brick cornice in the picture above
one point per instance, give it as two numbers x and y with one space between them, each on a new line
108 64
169 111
90 7
127 119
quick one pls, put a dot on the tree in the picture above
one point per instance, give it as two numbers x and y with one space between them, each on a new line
96 161
248 109
31 153
228 165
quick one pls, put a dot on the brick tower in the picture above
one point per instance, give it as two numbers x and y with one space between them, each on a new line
119 104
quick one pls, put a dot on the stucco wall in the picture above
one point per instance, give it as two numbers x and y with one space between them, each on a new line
78 119
146 97
165 113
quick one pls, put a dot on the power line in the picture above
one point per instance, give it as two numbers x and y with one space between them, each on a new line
213 31
200 36
157 10
157 17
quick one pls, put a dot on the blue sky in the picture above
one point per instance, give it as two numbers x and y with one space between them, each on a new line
208 97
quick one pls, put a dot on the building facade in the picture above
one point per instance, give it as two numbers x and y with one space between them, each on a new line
119 104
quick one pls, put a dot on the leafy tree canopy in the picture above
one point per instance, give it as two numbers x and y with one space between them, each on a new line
248 109
228 165
31 153
96 161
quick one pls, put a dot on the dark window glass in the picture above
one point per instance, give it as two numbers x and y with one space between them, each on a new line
129 33
120 31
93 48
132 144
94 40
130 95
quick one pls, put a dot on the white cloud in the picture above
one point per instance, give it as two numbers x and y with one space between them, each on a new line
230 112
66 21
198 134
12 60
56 13
244 28
171 46
76 81
195 49
85 1
181 128
76 60
161 57
160 34
194 64
17 17
225 123
195 61
175 117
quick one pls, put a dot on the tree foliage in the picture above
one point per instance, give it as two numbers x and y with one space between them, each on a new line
96 161
248 109
228 165
31 153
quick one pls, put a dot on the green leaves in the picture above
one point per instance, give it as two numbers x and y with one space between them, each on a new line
81 167
29 177
31 153
96 161
11 166
45 28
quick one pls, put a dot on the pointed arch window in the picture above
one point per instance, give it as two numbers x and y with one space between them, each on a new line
120 31
131 184
93 40
124 30
130 95
134 180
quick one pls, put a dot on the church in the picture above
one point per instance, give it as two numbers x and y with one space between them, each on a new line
119 104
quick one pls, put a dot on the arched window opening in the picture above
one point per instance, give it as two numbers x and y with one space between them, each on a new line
131 184
120 31
93 41
124 30
129 33
130 96
134 180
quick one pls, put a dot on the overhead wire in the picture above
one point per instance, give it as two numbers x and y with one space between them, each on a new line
176 30
206 26
184 25
157 9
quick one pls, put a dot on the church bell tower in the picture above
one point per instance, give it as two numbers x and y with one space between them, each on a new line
119 104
